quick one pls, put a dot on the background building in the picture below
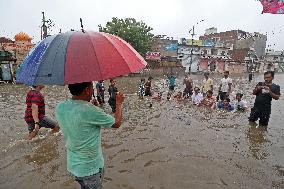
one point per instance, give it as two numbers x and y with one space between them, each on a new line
274 60
14 52
163 54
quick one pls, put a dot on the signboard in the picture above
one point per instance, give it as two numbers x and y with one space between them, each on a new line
194 42
184 41
171 47
153 55
17 46
168 64
208 43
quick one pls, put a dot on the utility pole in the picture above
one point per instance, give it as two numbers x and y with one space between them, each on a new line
46 25
43 27
192 40
191 52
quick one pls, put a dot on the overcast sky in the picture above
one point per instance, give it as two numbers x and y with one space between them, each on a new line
170 17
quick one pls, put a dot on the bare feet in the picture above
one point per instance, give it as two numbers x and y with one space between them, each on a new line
55 129
32 134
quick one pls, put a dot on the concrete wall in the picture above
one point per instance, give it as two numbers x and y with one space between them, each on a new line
256 42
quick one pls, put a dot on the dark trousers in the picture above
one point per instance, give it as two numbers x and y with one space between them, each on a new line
101 98
171 88
262 115
187 92
148 93
112 103
250 77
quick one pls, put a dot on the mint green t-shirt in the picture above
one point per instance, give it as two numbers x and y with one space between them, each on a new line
81 123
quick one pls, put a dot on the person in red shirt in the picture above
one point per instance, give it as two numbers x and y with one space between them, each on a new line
35 113
209 100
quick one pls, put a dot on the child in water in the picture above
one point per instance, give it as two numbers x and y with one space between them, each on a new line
240 105
209 100
197 96
225 105
158 97
179 96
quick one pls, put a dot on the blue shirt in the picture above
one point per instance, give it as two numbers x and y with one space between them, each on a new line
229 108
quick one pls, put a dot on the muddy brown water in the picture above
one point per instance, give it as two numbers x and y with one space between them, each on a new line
171 145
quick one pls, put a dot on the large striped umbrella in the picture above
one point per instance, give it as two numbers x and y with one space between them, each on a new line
76 57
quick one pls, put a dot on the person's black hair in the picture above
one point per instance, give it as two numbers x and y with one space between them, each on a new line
227 99
150 78
206 74
269 72
227 72
142 79
196 88
77 88
239 94
34 86
111 80
210 92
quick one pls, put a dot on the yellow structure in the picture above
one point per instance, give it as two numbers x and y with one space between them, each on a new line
195 42
23 37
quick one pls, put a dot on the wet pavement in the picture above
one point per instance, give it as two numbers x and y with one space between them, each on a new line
170 145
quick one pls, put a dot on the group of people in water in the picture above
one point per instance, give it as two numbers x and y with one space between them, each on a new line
264 93
199 96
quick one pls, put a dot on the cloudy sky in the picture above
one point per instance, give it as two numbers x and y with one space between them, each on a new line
171 17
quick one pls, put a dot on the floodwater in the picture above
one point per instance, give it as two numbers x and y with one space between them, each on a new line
171 145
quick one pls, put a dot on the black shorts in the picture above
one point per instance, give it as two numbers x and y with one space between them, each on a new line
187 92
171 88
262 115
148 93
44 122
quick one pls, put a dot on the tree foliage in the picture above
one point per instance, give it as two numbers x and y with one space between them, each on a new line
137 34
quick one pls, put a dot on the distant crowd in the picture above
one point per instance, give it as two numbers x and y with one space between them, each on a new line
199 96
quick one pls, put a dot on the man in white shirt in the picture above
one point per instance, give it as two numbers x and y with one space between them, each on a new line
197 96
225 88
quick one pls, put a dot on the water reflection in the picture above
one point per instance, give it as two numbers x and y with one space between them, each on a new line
44 154
257 138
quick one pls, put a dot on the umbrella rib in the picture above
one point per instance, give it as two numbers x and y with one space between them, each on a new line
101 76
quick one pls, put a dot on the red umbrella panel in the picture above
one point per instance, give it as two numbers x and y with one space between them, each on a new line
273 6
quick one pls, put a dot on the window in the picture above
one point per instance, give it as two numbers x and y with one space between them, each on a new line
214 51
204 51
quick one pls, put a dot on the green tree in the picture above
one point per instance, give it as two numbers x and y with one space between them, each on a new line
137 34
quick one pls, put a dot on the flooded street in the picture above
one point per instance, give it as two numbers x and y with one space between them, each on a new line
171 145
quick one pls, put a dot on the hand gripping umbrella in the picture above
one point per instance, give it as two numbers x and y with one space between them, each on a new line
76 57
